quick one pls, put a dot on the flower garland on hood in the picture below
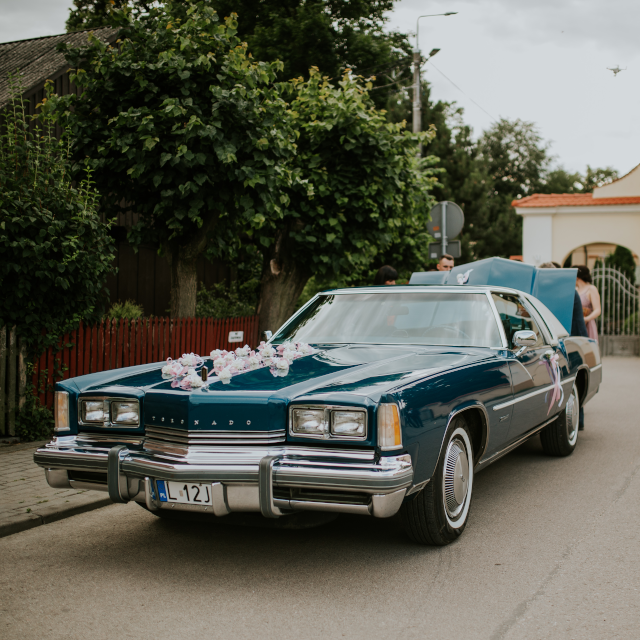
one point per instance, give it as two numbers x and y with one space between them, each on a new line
226 364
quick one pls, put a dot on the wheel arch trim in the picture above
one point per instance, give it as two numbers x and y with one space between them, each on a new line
479 408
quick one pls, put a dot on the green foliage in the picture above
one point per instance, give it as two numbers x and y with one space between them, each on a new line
179 121
371 194
222 301
55 252
561 181
622 259
92 14
328 34
127 310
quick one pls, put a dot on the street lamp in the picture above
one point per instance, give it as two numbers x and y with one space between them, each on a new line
417 103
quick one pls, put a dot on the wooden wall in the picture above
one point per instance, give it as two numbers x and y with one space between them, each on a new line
145 277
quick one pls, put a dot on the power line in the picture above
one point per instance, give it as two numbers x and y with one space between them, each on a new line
461 91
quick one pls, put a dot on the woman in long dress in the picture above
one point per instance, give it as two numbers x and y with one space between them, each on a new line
590 298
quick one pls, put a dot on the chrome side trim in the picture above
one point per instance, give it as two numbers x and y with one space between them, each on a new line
598 366
513 445
332 507
503 405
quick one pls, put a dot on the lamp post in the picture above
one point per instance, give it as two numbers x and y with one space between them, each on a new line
417 103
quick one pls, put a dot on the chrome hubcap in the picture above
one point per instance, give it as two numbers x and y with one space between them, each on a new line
456 477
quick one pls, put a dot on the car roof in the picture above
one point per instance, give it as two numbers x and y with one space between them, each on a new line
412 288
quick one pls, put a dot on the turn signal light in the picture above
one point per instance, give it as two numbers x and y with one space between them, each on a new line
389 433
61 402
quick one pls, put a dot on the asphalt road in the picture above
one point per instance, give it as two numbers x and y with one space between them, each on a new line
552 551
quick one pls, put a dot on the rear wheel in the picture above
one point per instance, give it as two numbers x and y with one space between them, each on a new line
560 437
439 513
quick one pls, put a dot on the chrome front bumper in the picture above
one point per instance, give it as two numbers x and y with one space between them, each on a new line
273 480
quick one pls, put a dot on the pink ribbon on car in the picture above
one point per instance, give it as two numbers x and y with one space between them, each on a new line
551 362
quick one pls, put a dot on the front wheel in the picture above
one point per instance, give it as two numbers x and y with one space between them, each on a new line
560 437
439 513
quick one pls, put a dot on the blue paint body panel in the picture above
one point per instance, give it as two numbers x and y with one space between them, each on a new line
553 287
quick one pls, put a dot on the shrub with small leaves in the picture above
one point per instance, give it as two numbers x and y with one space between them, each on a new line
55 252
127 310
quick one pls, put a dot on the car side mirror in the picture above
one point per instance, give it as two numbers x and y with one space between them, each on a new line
524 340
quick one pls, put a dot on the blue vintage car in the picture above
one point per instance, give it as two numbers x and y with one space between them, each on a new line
391 399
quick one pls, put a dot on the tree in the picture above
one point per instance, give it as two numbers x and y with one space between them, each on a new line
561 181
55 252
182 127
370 192
329 34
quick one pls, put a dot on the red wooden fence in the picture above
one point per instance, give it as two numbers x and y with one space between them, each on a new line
123 343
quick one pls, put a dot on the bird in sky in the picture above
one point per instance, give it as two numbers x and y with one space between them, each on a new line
616 70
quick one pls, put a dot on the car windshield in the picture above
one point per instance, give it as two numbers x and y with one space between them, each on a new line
420 317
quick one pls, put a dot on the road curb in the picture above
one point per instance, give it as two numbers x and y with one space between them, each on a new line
46 515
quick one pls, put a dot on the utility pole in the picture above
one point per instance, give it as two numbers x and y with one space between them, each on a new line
417 99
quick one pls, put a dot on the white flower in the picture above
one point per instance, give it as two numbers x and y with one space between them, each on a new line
282 364
268 352
224 376
289 355
243 352
172 369
237 365
215 354
190 360
230 357
253 362
304 349
219 364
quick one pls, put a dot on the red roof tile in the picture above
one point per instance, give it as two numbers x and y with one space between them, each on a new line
570 200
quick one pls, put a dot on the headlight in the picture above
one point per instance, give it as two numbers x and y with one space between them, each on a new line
329 422
351 424
61 411
109 412
389 432
93 410
308 422
125 412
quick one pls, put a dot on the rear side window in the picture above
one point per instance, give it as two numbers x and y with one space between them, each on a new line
515 317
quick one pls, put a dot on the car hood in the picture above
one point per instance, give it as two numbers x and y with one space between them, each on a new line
360 370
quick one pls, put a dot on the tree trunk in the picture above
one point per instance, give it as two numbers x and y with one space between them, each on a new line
282 282
184 283
184 278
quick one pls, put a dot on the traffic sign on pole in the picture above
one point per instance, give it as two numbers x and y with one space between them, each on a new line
447 220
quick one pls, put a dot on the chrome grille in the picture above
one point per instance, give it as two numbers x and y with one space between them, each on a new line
187 438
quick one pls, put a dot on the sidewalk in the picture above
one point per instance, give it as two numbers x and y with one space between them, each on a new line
26 500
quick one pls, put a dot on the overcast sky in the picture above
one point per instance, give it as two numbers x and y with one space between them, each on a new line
539 60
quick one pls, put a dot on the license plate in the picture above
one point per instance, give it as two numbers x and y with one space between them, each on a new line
185 493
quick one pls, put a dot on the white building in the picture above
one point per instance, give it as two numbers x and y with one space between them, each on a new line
584 226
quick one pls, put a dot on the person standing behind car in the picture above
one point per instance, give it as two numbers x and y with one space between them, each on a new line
386 275
445 263
590 298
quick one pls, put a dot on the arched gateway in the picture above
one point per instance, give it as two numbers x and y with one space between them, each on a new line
555 225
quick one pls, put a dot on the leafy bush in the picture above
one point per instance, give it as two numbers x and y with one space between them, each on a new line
221 301
55 252
127 310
